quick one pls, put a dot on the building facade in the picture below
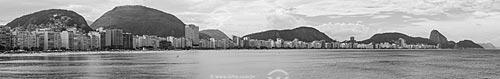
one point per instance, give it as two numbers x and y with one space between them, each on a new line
49 40
128 41
6 41
25 40
95 40
114 39
192 34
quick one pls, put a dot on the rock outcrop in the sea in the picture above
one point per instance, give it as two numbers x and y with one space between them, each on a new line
141 20
437 37
51 18
306 34
440 39
468 44
213 33
393 37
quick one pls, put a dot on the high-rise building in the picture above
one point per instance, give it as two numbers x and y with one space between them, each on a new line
270 43
6 37
136 42
352 42
246 42
128 41
237 41
81 42
25 39
192 34
67 39
295 43
114 39
95 40
279 43
179 42
103 39
213 43
402 43
49 40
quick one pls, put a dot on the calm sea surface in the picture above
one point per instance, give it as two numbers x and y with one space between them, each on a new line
257 64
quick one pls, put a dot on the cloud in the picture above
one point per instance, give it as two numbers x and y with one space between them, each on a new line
342 31
339 19
416 7
207 5
280 21
495 41
339 7
380 16
3 22
480 14
127 2
477 29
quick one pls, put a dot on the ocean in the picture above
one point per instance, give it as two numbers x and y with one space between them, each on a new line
256 64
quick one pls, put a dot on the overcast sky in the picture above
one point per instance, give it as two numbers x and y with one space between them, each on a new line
477 20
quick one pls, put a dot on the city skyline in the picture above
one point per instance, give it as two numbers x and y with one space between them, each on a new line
456 19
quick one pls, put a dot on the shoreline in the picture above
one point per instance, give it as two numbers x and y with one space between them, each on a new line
158 51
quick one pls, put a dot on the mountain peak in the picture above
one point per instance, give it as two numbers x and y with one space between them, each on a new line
434 30
132 7
392 33
58 10
439 38
213 33
141 20
305 27
68 18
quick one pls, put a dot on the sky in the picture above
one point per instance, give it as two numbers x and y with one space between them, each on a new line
476 20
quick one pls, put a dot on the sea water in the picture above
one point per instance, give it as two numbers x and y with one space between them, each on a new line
256 64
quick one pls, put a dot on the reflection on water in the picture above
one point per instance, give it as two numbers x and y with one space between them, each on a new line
149 65
299 64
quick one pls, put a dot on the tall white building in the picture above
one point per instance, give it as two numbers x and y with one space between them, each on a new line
67 39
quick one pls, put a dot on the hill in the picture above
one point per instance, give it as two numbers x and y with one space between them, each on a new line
306 34
141 20
213 33
468 44
392 37
439 38
51 18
